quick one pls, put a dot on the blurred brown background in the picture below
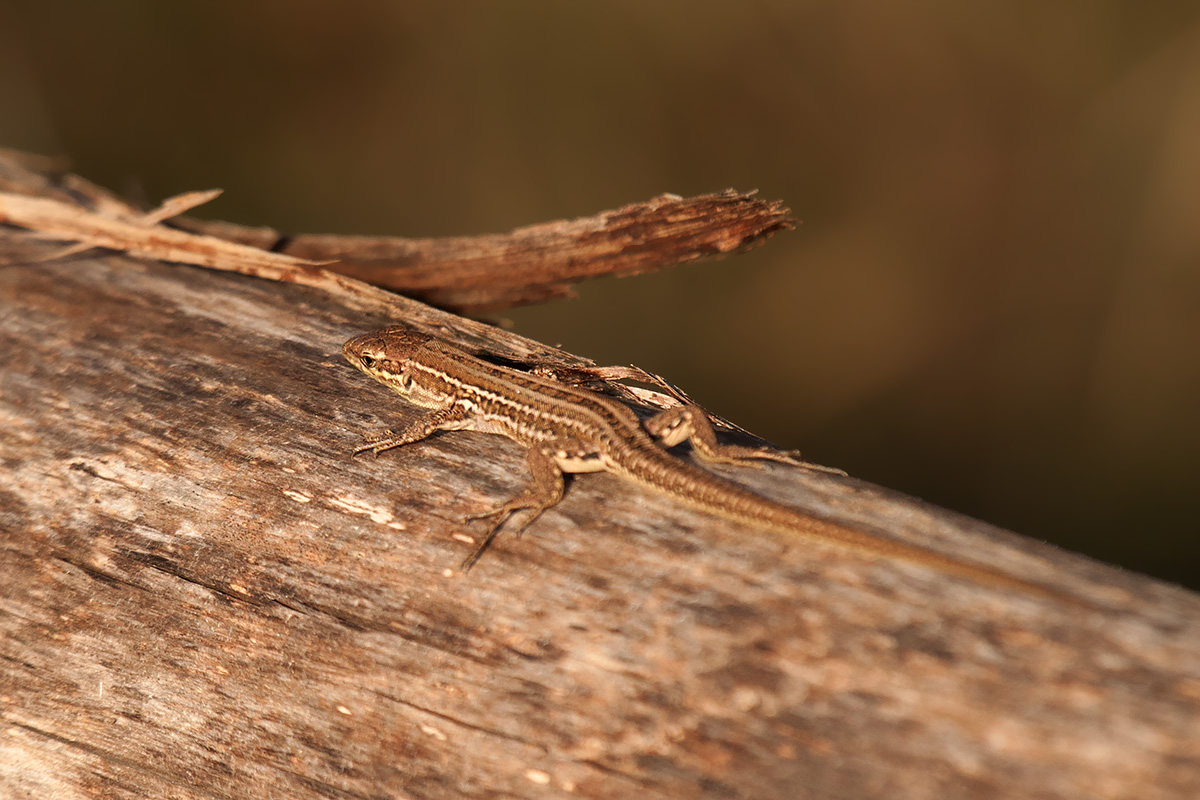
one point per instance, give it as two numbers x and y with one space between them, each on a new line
994 299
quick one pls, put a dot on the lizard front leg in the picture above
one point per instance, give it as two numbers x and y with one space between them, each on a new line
547 463
448 418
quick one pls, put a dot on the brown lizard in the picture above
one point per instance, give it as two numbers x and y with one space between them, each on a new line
569 429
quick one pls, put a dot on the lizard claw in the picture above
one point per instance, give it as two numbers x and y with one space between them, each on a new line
376 444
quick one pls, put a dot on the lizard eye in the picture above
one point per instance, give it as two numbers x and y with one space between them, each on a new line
368 361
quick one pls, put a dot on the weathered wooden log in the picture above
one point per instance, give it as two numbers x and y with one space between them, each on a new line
203 595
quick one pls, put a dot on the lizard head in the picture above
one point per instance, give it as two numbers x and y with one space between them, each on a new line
388 356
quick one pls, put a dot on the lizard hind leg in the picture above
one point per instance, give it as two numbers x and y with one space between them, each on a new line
691 423
544 492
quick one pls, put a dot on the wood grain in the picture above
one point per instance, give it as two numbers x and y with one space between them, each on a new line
205 596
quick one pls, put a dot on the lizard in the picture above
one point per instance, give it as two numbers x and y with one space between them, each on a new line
569 429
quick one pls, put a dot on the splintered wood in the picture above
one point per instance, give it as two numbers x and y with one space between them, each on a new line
462 273
140 234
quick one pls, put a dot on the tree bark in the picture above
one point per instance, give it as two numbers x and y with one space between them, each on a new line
205 596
